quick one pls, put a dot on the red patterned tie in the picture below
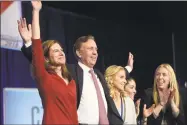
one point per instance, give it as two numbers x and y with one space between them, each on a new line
103 119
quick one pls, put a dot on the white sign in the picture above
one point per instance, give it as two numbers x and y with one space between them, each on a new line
10 13
22 106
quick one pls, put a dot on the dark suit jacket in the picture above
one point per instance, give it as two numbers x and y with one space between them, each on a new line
148 100
77 74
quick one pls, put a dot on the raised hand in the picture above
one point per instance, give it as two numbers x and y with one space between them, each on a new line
24 30
130 60
149 111
37 5
175 109
171 96
137 106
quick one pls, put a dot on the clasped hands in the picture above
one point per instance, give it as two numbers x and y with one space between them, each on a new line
165 98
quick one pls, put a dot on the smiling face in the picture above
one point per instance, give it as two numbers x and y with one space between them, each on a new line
116 79
119 80
162 78
130 88
56 55
88 53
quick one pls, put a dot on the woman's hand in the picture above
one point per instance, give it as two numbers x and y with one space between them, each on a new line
37 5
149 111
171 96
175 109
137 106
130 60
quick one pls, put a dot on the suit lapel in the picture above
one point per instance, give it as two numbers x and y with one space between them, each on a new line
79 73
113 107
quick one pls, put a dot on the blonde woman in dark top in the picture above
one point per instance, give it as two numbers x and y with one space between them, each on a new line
116 80
165 95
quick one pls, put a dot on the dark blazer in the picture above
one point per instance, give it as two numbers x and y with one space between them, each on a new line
148 100
77 74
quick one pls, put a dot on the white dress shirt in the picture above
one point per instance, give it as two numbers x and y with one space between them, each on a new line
88 111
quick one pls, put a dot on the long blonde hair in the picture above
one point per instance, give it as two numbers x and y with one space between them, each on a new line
110 74
173 83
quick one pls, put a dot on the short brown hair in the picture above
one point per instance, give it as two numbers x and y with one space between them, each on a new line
79 42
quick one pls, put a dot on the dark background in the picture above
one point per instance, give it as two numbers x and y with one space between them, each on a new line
148 26
143 28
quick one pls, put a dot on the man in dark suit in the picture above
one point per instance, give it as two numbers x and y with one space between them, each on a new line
88 101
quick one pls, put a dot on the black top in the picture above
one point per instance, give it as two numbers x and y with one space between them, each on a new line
167 114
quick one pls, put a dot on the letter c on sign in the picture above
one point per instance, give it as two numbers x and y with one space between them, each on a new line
34 110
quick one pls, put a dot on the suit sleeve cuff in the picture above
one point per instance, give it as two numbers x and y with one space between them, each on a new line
129 69
28 44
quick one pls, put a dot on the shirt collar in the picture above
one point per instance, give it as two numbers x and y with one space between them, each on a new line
84 67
